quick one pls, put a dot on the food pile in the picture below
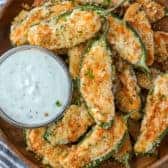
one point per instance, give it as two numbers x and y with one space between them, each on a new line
113 55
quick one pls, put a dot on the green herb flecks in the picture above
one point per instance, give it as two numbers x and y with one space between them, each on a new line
58 103
90 74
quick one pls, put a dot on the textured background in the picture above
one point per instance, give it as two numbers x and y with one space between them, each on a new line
7 157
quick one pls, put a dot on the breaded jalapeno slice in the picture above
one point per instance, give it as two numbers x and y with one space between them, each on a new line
96 82
155 123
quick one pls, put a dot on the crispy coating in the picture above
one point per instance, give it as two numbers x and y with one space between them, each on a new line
70 30
20 18
138 19
128 96
23 22
123 154
155 122
107 3
73 125
38 2
98 2
41 2
124 40
96 145
96 82
153 10
75 55
50 155
146 80
161 46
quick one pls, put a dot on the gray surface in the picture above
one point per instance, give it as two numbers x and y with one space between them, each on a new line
2 2
8 159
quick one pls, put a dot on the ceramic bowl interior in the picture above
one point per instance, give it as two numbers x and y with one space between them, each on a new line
62 64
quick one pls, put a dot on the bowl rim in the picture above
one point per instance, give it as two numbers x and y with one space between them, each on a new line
62 64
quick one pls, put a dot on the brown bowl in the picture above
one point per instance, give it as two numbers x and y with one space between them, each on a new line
13 136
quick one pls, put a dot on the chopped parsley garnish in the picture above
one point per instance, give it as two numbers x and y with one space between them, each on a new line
58 103
89 73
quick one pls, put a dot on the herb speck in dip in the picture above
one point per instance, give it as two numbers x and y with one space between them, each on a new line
33 79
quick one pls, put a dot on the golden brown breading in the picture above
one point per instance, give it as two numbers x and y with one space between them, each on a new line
155 122
128 96
70 30
19 32
146 80
71 127
153 10
50 155
96 82
126 42
137 18
20 18
161 46
38 2
98 144
106 3
123 155
75 55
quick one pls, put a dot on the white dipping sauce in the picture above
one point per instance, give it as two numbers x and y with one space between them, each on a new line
34 87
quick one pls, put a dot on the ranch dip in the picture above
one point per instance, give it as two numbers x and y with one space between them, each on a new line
34 86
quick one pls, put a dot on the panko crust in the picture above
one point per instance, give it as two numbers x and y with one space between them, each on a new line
19 32
138 19
70 30
155 123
